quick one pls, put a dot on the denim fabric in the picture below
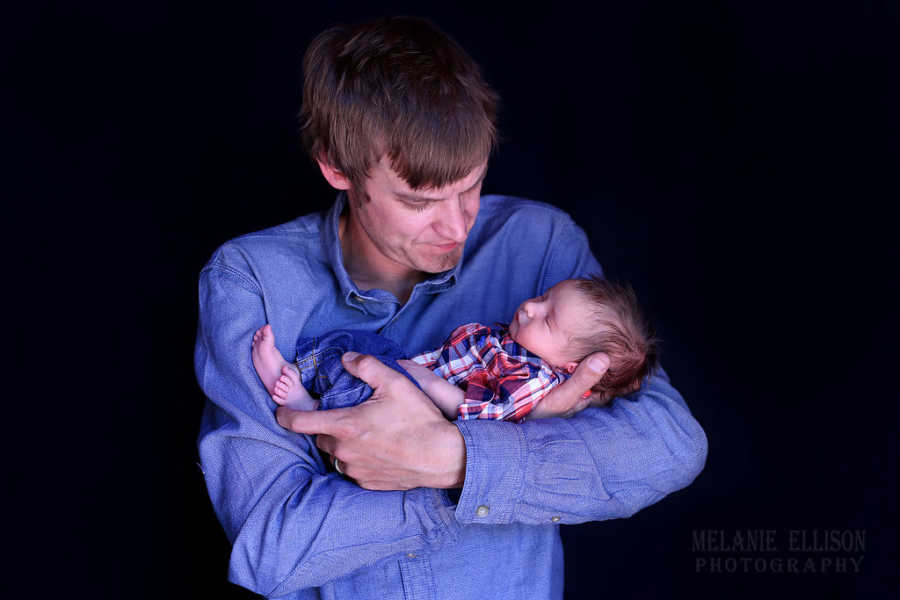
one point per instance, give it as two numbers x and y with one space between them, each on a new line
321 371
298 531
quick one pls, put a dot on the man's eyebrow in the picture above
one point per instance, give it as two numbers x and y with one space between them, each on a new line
416 198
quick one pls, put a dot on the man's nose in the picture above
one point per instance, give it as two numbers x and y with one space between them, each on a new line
452 222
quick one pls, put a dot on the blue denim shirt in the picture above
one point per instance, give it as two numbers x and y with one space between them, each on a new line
300 532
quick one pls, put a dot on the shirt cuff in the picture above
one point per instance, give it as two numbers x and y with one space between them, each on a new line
495 466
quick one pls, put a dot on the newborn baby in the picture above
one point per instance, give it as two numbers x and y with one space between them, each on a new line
498 372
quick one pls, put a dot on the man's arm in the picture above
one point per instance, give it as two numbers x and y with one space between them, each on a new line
286 518
603 463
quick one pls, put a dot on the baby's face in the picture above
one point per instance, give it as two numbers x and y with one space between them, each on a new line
546 325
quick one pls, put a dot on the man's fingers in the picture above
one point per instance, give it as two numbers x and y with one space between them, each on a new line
570 397
589 372
586 375
326 443
369 369
311 421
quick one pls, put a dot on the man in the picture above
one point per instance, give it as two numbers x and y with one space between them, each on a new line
399 120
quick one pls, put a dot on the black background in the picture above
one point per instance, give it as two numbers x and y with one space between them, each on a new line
736 161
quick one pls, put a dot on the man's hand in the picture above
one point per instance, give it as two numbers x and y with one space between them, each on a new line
395 440
571 396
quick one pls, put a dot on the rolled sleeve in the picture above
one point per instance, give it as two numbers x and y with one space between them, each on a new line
496 454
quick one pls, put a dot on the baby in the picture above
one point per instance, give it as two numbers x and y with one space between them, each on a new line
482 372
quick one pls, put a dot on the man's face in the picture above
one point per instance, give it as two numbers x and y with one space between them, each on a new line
546 325
419 230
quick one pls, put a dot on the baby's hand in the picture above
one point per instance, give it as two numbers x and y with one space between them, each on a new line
445 395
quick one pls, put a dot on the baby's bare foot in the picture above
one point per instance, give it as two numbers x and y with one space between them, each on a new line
266 357
289 390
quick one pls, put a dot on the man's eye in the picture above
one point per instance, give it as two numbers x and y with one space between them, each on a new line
418 206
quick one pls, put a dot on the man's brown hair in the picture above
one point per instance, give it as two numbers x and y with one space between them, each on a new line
398 87
621 330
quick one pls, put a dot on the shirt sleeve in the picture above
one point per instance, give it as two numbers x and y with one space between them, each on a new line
291 524
602 463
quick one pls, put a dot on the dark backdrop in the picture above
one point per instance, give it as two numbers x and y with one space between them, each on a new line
736 161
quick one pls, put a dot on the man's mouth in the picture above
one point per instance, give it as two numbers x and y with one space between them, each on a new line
447 247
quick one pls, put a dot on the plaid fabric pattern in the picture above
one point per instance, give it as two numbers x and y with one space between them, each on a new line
502 380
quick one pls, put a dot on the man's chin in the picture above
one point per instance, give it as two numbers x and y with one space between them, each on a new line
439 264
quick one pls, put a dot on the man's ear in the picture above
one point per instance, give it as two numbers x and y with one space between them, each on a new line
336 178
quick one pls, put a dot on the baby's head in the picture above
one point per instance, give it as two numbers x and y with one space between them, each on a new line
578 317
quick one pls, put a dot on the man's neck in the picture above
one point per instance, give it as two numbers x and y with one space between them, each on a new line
369 268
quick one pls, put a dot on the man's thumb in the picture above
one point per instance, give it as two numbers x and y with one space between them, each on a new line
594 369
366 367
599 363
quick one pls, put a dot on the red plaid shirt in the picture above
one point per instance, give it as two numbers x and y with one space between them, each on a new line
502 380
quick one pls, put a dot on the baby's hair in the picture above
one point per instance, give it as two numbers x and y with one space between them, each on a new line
620 330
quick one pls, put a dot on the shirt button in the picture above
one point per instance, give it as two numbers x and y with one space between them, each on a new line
410 555
554 519
482 511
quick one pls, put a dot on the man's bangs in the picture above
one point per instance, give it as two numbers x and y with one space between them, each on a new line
433 153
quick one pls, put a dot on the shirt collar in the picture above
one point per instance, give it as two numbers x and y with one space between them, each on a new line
331 241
